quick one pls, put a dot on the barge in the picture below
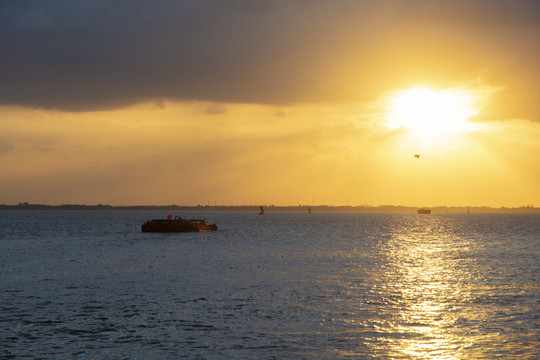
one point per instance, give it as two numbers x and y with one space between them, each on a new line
177 225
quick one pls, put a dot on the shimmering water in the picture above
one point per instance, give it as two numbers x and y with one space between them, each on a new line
280 286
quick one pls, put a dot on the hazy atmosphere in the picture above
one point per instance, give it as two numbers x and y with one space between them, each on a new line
415 103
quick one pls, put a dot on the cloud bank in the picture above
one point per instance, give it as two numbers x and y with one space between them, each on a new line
94 54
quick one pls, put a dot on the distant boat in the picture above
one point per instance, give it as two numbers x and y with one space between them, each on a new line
424 211
177 224
262 210
309 210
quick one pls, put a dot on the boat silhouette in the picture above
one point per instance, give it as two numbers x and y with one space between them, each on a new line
177 225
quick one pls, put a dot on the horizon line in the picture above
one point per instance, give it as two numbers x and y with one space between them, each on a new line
27 205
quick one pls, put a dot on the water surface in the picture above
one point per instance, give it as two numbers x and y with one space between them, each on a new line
286 285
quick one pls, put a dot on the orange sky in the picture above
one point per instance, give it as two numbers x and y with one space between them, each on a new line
281 103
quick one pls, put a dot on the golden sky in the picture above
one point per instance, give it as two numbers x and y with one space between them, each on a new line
270 102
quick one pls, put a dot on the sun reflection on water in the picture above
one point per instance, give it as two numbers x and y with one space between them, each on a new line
422 274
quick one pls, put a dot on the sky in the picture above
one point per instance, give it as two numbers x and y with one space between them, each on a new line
251 102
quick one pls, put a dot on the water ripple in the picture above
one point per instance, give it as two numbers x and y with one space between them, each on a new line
286 285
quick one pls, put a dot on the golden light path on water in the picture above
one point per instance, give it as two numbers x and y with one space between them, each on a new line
431 287
424 287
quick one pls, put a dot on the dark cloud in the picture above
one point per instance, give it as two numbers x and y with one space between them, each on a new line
92 54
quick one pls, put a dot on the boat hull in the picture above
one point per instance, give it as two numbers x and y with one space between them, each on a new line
177 226
167 228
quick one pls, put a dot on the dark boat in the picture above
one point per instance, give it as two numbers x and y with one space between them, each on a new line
177 225
424 211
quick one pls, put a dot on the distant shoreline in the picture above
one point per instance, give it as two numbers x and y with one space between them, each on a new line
314 208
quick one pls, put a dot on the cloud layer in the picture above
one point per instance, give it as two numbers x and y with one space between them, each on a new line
92 55
182 153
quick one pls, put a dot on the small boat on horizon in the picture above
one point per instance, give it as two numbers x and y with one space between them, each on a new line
177 224
424 211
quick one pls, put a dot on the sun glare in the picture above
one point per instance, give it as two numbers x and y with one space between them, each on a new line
430 113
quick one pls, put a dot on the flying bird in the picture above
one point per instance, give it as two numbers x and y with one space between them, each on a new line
417 156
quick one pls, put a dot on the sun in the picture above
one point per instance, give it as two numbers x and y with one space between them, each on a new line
430 114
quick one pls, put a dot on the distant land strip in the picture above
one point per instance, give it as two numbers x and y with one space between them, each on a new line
314 208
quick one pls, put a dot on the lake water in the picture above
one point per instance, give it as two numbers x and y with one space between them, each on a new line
286 285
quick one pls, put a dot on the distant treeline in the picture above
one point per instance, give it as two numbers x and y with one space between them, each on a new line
319 208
